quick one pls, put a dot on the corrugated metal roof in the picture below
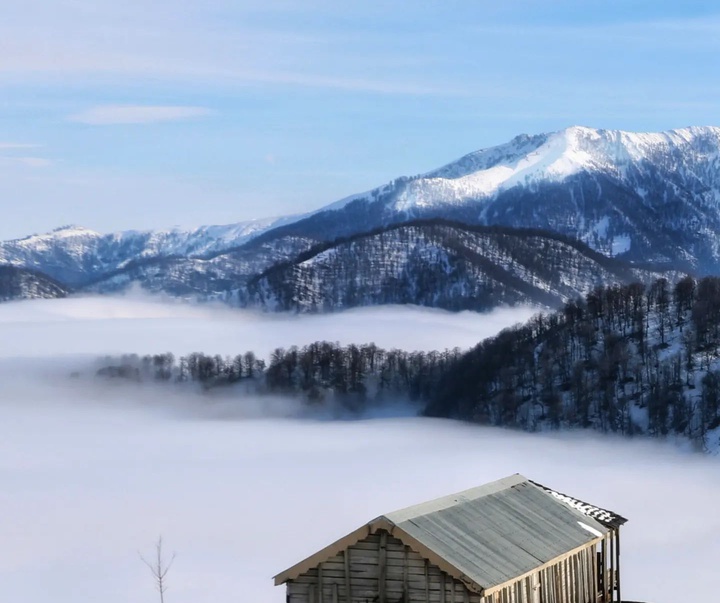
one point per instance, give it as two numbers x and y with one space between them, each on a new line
604 516
499 531
489 535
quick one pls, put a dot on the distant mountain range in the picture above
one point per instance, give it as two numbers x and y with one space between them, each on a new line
649 198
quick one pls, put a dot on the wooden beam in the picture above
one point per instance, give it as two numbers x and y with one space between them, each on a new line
346 563
594 574
617 561
577 592
601 572
611 564
427 581
320 583
608 567
406 587
382 566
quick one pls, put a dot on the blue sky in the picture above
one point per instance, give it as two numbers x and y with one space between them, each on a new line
146 114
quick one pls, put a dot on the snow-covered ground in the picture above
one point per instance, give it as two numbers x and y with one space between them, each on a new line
91 474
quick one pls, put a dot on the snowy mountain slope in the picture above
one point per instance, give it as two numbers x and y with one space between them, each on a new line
76 255
651 197
439 264
20 283
646 197
221 276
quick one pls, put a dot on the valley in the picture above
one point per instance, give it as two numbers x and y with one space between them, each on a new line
96 471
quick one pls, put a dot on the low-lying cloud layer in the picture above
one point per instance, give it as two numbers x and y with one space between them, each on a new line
92 473
147 325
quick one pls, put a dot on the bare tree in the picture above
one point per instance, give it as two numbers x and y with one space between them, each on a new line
159 568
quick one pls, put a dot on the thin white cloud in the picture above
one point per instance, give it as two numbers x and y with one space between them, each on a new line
35 162
106 115
12 146
9 156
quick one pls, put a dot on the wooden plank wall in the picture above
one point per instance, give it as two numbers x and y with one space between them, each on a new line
382 569
408 577
572 580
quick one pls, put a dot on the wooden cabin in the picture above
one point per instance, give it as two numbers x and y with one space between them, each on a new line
510 541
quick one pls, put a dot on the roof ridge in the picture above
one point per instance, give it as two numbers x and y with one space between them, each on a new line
449 500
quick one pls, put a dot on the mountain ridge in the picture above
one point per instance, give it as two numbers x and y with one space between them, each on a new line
644 197
22 283
439 263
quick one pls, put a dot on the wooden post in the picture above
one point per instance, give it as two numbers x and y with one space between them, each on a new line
606 569
427 581
335 593
593 573
608 566
320 583
346 563
611 564
558 583
578 579
406 586
311 594
382 566
443 591
617 562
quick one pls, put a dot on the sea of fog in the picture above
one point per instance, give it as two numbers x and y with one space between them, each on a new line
92 473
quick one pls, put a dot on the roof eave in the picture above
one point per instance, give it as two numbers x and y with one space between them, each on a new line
381 523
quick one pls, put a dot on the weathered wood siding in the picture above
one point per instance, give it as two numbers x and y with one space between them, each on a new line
381 569
408 578
572 580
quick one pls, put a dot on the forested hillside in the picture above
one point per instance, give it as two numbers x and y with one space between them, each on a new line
22 283
440 264
629 360
632 360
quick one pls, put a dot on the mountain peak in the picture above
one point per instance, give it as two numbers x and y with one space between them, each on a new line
649 196
72 230
63 232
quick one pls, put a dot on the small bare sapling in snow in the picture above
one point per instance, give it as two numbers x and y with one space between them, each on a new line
159 568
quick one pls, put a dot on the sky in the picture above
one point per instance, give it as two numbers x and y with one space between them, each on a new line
241 489
134 114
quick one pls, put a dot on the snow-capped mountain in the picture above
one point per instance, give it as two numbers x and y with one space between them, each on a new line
644 197
20 283
439 264
77 255
651 197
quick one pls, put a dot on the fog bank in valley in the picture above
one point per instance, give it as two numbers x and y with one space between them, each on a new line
147 325
92 472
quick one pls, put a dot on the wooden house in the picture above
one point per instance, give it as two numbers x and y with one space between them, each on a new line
510 541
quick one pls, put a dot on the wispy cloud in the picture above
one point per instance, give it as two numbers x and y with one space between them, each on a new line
107 115
12 146
35 162
8 156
